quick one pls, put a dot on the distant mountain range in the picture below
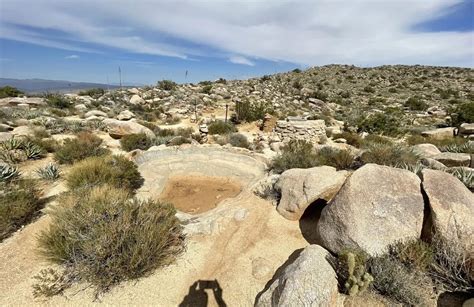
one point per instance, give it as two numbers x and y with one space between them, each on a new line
35 86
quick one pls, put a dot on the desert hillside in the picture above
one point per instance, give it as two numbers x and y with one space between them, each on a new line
331 186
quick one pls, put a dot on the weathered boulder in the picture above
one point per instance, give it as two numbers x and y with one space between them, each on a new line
453 159
440 133
301 187
118 129
137 100
95 113
426 150
466 129
377 206
452 207
125 115
309 281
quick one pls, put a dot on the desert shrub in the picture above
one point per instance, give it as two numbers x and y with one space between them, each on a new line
296 70
167 85
463 113
19 203
9 91
414 254
396 282
238 140
388 154
206 89
49 172
415 103
57 101
353 139
116 171
135 141
246 111
338 158
85 145
102 237
220 127
295 154
369 89
93 92
377 123
458 147
452 268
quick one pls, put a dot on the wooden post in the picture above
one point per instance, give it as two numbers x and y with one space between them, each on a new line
226 110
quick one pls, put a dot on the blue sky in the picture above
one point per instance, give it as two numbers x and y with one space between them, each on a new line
151 40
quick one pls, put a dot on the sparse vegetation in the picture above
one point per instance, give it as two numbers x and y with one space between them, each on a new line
167 85
388 154
102 237
8 172
93 92
57 101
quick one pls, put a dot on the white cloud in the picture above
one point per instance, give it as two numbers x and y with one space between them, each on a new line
307 32
241 60
72 57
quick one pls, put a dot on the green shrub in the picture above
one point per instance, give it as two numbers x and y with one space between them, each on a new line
238 140
9 91
379 123
19 203
102 237
353 139
136 141
246 111
116 171
296 154
387 154
369 89
206 89
85 145
167 85
463 113
220 127
338 158
415 254
93 92
415 103
57 101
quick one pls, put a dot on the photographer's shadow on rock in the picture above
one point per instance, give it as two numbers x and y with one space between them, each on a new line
198 297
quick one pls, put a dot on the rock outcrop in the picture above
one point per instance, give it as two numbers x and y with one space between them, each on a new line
452 207
377 206
117 129
301 187
309 281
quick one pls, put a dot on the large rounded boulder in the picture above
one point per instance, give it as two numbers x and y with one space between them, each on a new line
117 128
309 281
301 187
377 206
452 208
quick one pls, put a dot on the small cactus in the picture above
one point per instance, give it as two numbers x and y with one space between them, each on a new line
359 280
32 151
8 172
49 172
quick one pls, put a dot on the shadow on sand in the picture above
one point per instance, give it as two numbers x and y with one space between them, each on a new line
198 297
